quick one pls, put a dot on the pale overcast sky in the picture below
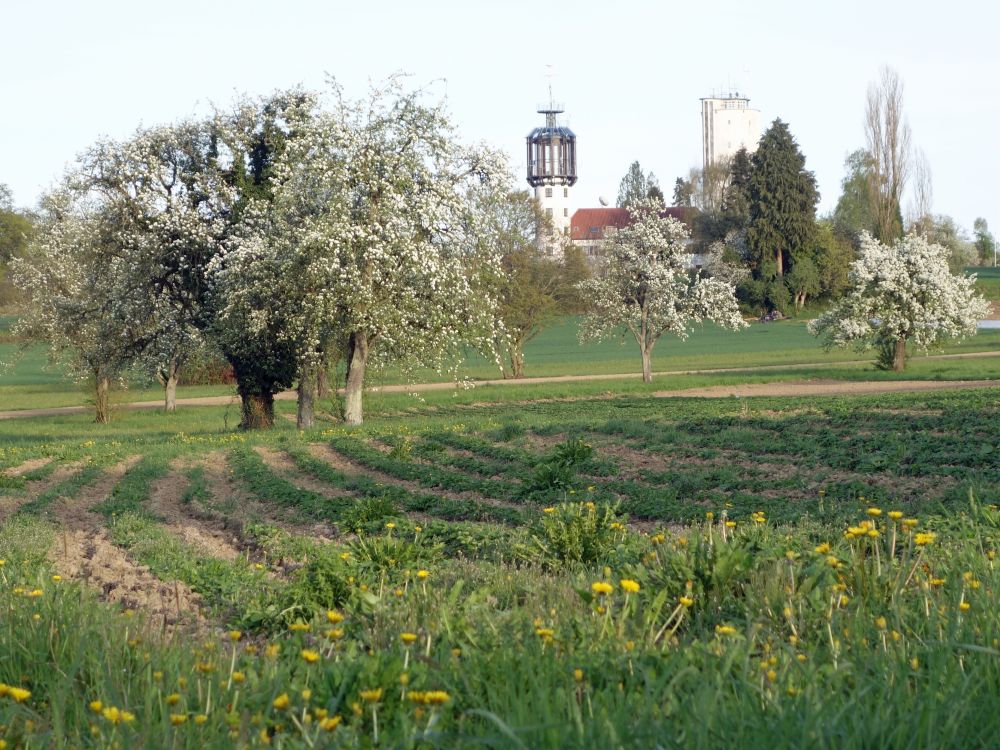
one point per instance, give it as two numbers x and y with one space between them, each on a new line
629 73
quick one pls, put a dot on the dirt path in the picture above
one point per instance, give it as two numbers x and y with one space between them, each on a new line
825 388
424 387
83 549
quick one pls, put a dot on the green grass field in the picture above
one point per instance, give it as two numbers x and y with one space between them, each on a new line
27 382
602 572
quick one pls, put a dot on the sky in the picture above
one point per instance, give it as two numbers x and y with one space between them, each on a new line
630 75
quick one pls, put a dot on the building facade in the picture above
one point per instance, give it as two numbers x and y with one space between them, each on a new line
727 125
589 226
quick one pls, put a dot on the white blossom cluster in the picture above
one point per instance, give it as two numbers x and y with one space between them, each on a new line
903 292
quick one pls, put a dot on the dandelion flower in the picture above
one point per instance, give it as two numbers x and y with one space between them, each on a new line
371 696
408 638
281 702
178 719
686 601
924 538
330 723
309 655
629 586
602 588
19 694
423 574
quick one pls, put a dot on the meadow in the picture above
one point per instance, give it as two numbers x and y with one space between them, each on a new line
28 382
565 567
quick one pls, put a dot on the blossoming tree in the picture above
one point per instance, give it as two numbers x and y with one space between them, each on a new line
901 293
370 238
170 204
71 302
646 286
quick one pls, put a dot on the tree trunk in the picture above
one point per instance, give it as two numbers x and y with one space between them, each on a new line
516 362
308 383
322 382
779 263
647 365
899 356
258 411
102 398
170 392
357 359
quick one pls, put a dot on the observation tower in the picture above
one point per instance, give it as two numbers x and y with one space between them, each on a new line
552 165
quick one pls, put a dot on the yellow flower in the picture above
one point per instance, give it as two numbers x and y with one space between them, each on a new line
725 630
309 655
334 617
281 702
771 675
629 586
235 635
335 634
173 699
874 512
730 524
895 515
880 623
578 675
96 706
272 650
548 510
19 694
422 574
390 525
937 582
116 716
301 627
56 578
923 538
34 594
964 606
833 562
371 696
408 638
686 601
544 632
200 719
331 723
238 677
178 719
601 588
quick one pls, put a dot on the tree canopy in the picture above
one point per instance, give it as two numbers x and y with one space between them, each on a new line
901 293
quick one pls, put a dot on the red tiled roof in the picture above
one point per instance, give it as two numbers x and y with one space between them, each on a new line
590 223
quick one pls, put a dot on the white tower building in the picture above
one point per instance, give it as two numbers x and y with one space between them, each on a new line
727 125
552 166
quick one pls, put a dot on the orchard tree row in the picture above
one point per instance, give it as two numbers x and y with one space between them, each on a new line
285 234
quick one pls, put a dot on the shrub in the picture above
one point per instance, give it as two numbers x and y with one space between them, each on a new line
577 533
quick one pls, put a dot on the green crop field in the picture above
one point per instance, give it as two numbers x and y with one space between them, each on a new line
571 569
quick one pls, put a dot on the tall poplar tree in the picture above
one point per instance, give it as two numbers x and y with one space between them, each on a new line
782 196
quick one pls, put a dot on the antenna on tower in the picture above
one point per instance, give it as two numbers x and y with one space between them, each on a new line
549 73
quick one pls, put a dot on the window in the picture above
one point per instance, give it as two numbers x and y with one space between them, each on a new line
549 212
565 192
548 192
565 212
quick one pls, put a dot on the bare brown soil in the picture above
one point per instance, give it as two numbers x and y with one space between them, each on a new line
236 508
30 465
84 550
201 530
9 504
